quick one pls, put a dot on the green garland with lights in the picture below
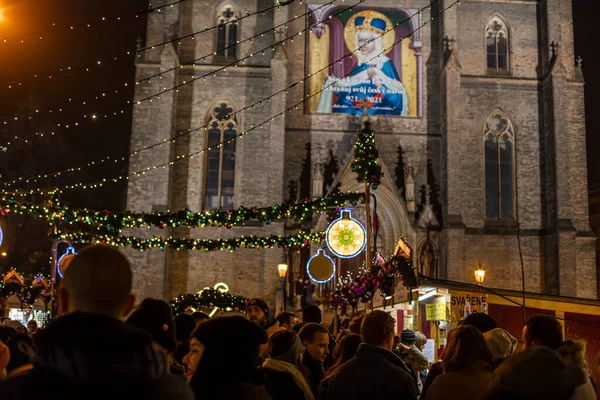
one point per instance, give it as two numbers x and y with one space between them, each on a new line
300 240
207 298
366 157
115 221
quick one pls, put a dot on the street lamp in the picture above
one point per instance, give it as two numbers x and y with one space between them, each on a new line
479 274
282 269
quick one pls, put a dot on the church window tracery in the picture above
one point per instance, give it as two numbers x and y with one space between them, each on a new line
496 37
220 160
499 167
227 32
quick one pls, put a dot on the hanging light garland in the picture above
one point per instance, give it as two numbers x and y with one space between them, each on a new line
298 241
115 221
205 127
295 106
136 14
101 62
207 298
362 288
159 75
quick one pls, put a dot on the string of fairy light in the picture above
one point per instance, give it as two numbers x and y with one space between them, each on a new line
104 61
148 79
192 63
189 131
298 241
72 27
114 221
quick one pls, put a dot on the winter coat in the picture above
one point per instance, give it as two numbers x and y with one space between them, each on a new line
284 381
469 384
86 356
373 373
313 371
416 362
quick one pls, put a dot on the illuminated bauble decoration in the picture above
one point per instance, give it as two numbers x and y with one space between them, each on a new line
320 267
346 237
1 236
65 260
221 287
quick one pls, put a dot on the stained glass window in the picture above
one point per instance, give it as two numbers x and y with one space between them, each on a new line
227 32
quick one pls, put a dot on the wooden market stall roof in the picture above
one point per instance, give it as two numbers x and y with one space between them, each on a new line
515 298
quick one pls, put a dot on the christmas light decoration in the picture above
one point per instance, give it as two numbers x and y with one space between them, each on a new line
381 276
207 298
68 255
192 155
320 267
346 237
298 241
159 75
115 221
366 157
136 14
101 62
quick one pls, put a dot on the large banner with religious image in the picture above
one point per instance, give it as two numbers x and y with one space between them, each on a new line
379 67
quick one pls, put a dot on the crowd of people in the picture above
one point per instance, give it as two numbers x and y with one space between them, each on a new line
103 347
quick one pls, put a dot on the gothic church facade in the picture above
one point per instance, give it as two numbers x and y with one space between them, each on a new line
483 145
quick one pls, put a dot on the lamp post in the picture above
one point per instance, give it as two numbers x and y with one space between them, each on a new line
282 269
479 274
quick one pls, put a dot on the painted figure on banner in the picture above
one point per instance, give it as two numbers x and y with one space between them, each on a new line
370 36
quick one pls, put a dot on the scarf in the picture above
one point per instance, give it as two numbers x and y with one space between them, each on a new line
283 366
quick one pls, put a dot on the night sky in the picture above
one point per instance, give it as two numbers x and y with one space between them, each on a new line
110 136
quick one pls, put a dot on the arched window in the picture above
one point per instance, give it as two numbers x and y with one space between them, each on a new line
496 37
227 32
499 167
220 161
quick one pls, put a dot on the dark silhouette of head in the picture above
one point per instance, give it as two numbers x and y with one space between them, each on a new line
542 330
312 314
98 281
481 321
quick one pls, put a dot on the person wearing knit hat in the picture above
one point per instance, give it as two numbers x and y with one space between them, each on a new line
4 359
283 378
257 312
223 358
414 359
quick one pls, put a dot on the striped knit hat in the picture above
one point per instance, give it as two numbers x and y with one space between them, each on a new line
408 337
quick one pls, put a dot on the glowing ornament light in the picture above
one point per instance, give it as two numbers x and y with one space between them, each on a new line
346 237
320 267
65 260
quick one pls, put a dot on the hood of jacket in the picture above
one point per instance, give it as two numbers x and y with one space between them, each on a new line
95 349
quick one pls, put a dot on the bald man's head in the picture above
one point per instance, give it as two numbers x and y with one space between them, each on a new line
98 281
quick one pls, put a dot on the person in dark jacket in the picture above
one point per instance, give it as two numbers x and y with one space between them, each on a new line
154 317
374 372
313 314
315 338
284 381
90 351
224 367
345 350
184 326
